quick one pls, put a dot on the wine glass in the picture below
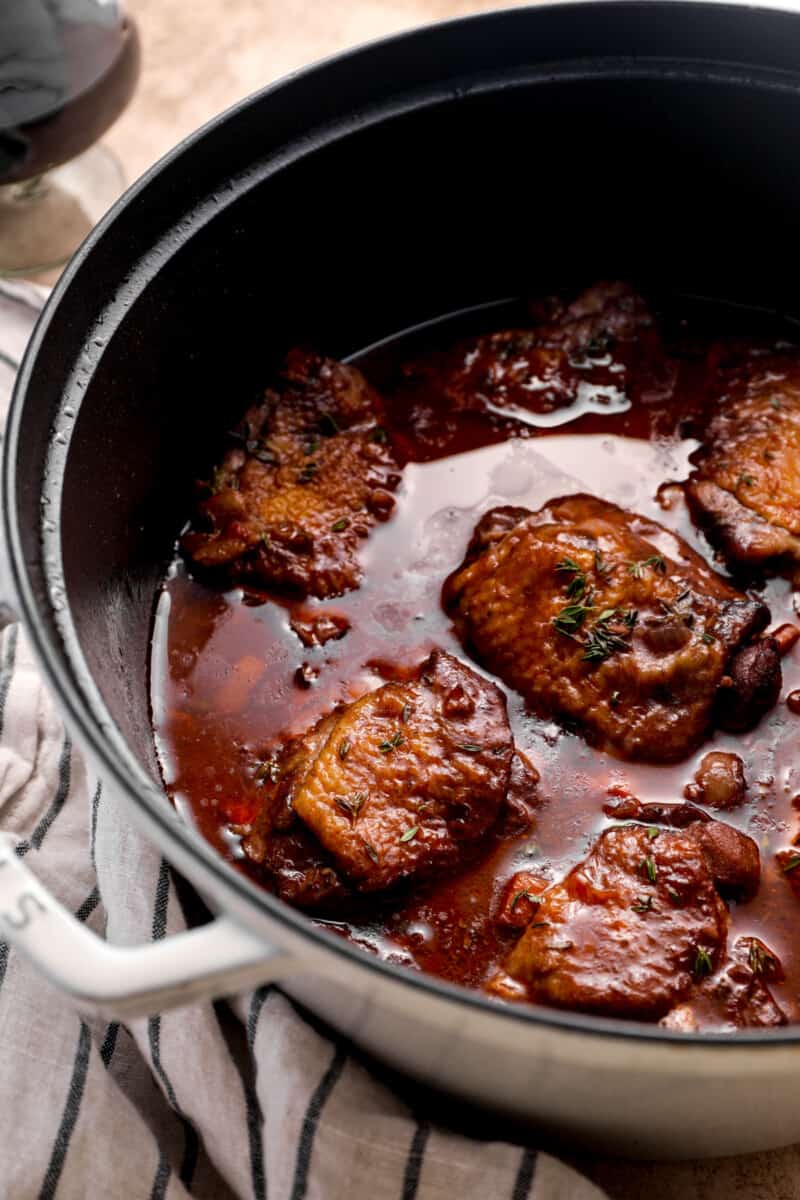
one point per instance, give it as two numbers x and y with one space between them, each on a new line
67 70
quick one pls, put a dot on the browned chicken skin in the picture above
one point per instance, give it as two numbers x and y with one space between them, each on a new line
291 505
399 783
606 620
632 928
745 488
545 367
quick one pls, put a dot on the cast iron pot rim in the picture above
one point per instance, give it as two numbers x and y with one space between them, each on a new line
122 765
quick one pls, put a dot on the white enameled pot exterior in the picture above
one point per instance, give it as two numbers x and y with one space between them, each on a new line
638 1097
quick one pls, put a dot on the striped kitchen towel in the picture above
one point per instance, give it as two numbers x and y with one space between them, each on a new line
242 1099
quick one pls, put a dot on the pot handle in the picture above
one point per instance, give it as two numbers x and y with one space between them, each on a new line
127 981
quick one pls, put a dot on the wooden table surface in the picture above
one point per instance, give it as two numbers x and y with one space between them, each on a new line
199 57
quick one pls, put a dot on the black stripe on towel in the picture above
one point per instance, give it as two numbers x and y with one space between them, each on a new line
64 780
163 1172
525 1174
89 905
9 362
245 1068
256 1005
416 1154
69 1117
414 1161
162 903
98 791
191 1142
255 1117
109 1043
7 670
311 1121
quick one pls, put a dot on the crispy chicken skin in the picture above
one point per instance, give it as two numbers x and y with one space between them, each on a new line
632 928
606 620
312 475
745 486
401 782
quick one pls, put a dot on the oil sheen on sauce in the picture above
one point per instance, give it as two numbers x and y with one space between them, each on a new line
224 666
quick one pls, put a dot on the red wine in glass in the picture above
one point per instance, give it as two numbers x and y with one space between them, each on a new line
68 68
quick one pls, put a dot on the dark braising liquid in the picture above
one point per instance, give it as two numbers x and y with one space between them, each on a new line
223 665
67 70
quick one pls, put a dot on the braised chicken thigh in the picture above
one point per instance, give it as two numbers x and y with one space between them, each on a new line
546 367
399 783
312 474
630 929
745 486
605 620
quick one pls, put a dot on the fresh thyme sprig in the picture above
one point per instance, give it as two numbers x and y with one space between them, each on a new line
577 585
656 561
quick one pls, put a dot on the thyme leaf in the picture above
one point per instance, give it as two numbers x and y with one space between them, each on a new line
602 641
656 561
602 568
760 960
703 964
648 867
577 585
351 805
571 617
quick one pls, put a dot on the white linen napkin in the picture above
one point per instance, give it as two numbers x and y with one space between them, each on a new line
246 1098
